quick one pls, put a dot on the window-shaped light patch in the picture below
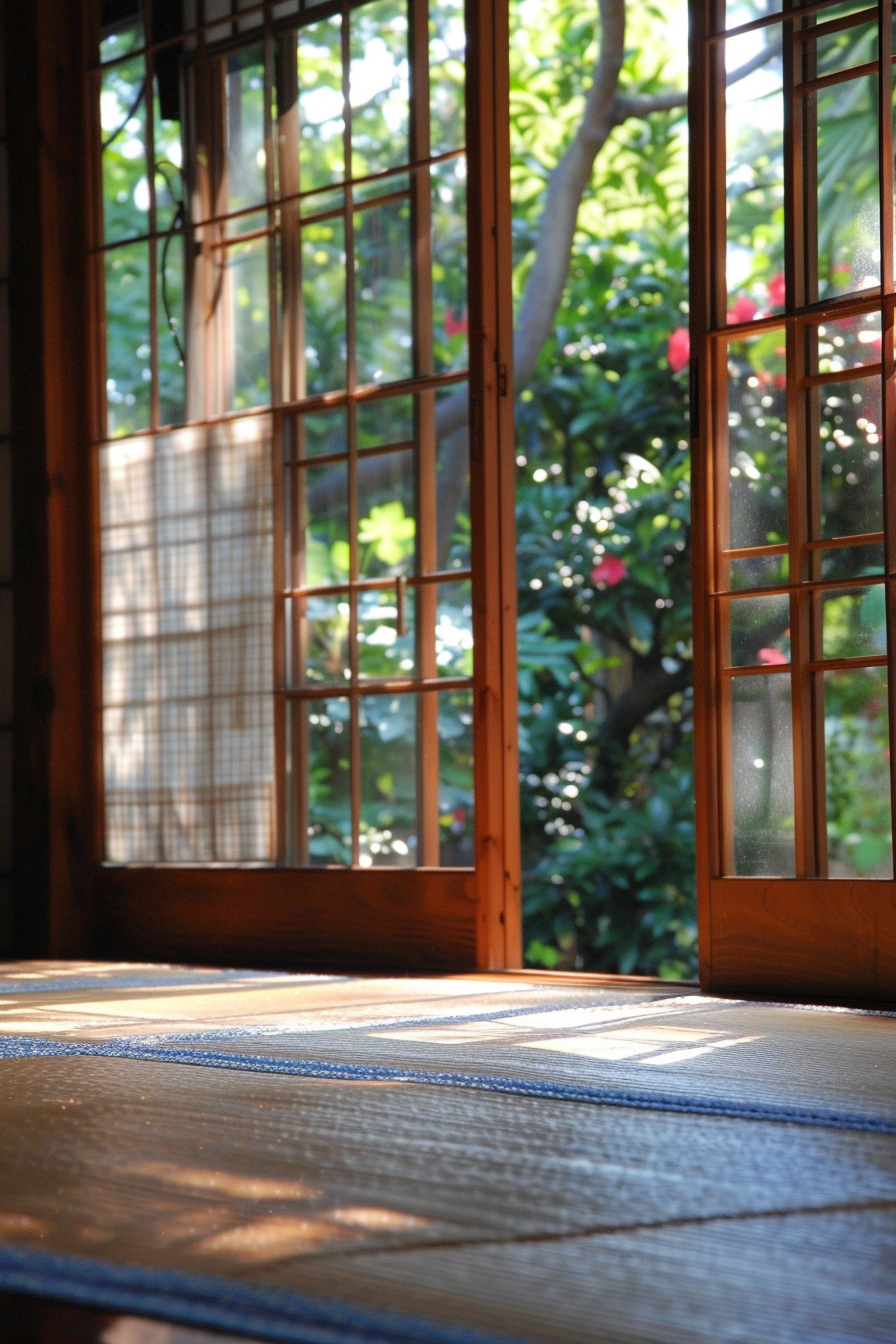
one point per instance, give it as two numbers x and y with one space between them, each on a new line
757 441
761 779
857 773
755 178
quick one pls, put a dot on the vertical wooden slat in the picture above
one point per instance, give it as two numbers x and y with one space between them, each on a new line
491 488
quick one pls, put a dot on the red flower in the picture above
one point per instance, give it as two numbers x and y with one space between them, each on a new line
610 571
742 310
679 349
776 291
772 658
456 326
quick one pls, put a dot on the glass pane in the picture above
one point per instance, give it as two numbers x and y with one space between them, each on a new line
168 156
762 776
848 187
854 622
449 264
170 311
447 43
384 421
453 478
325 637
857 773
454 630
456 838
755 178
323 299
388 780
386 642
244 94
387 527
323 432
848 416
123 121
379 86
329 781
383 293
247 274
326 544
121 37
321 104
844 49
760 631
757 441
844 343
852 562
128 350
758 571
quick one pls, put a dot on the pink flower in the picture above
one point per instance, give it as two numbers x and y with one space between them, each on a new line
610 571
742 310
679 349
456 326
772 658
776 291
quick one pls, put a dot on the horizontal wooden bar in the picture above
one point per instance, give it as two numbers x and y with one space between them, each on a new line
377 919
838 543
375 585
840 25
836 77
813 939
844 375
817 665
825 310
754 552
810 586
769 21
378 686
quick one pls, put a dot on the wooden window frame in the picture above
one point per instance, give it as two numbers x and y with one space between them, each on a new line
811 936
69 902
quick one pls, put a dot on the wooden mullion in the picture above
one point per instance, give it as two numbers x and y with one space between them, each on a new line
888 359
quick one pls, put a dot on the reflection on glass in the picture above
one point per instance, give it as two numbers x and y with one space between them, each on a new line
247 274
385 420
388 780
118 39
755 179
387 527
326 627
321 104
448 184
760 630
762 776
454 630
455 725
323 298
123 121
379 86
848 415
170 312
323 432
453 478
326 544
757 440
848 187
326 725
244 111
852 562
758 571
857 773
845 343
854 622
386 633
447 40
383 293
128 350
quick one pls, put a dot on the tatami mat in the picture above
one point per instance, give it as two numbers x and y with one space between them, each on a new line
288 1207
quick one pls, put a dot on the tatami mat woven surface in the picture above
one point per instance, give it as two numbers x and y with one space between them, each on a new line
284 1199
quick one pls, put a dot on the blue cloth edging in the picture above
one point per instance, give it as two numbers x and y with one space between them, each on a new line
29 1047
272 1314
